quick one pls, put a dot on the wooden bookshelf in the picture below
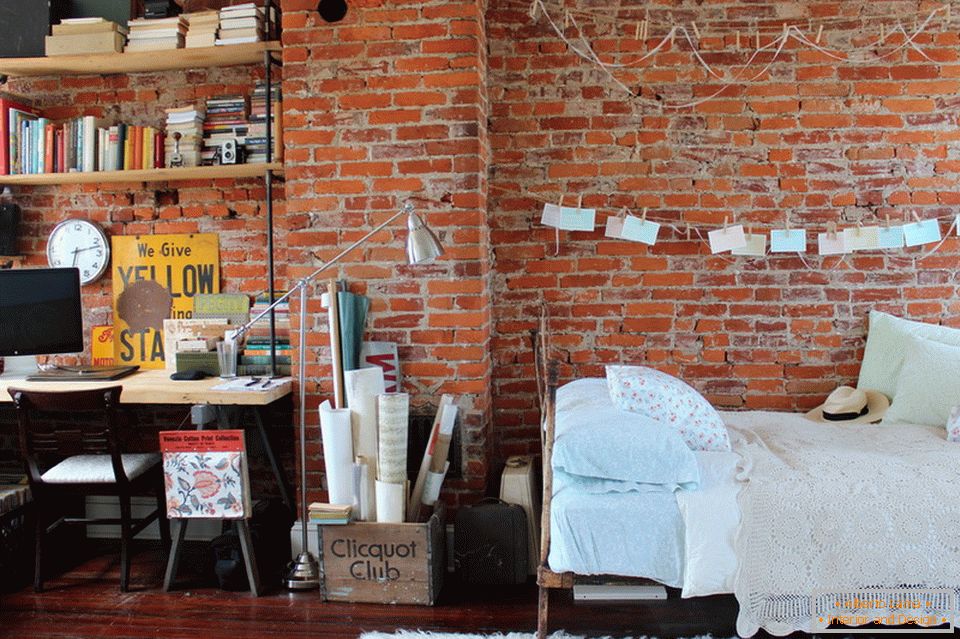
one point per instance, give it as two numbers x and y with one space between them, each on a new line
147 175
139 61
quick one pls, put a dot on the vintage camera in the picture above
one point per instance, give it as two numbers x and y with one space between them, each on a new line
231 152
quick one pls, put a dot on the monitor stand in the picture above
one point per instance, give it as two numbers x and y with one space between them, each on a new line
19 366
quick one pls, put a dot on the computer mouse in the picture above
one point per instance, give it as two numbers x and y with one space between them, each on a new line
189 375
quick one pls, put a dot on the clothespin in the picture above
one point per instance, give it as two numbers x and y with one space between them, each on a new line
644 217
738 40
916 218
786 30
887 223
696 31
819 34
883 32
832 230
636 32
758 37
566 19
673 31
688 231
726 223
580 203
623 213
644 31
859 228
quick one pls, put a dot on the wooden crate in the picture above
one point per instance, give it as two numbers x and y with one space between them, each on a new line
383 563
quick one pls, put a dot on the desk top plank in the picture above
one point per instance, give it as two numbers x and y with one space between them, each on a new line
156 387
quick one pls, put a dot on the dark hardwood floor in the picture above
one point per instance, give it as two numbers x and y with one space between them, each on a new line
86 601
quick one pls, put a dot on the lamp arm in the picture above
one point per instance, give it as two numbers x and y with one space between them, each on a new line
407 208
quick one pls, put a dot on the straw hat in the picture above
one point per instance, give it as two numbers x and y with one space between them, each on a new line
848 405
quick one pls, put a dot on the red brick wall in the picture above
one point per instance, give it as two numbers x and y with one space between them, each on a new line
389 105
825 140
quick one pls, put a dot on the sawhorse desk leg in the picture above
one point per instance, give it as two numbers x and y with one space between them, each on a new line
246 547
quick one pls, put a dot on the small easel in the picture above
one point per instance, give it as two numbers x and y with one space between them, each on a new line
206 477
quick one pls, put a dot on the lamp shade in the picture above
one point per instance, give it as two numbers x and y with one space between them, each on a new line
422 245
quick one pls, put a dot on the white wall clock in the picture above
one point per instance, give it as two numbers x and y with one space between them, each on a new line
79 244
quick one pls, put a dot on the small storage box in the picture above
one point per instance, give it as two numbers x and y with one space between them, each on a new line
383 563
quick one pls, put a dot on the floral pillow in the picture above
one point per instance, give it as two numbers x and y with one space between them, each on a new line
669 401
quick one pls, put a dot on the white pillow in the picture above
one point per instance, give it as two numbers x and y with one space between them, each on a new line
887 345
710 518
671 402
929 384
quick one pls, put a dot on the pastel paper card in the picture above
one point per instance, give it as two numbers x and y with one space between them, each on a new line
574 219
551 216
614 228
890 237
639 230
727 239
756 246
831 244
953 425
788 241
862 238
919 233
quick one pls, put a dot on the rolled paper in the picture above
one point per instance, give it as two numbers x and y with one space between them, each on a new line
393 415
431 489
362 388
337 453
390 502
368 509
414 501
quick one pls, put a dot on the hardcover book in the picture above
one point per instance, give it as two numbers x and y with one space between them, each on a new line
205 474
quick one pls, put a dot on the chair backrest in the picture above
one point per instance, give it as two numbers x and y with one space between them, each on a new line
44 439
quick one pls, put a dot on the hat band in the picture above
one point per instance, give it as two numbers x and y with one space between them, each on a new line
842 417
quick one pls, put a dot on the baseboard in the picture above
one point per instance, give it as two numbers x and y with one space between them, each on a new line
101 506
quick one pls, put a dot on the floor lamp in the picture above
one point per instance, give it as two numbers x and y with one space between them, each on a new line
422 247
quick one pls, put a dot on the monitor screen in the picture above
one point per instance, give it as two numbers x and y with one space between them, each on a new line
40 311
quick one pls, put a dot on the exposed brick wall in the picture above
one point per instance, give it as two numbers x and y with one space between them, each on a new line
390 104
826 140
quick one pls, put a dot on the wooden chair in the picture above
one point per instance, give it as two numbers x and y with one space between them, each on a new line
66 460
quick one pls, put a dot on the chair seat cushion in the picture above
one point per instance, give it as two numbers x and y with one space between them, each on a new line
97 469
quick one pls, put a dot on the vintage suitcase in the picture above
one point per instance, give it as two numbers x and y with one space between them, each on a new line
490 538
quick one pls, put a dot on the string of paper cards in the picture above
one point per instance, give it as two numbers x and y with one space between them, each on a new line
740 240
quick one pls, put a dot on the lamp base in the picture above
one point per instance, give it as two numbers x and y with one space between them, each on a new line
304 573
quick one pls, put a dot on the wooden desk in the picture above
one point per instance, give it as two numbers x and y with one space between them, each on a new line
156 387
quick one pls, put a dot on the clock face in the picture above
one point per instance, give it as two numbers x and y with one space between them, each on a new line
79 244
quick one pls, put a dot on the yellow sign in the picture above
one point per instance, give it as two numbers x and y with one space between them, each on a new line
156 277
101 345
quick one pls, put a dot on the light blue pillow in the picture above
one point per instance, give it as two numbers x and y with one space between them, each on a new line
888 342
604 442
597 486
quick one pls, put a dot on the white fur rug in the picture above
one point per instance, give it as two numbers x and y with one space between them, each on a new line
417 634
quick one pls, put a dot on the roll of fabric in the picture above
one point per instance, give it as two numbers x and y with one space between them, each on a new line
335 431
362 388
393 415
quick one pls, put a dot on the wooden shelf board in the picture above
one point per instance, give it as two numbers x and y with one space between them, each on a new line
138 61
147 175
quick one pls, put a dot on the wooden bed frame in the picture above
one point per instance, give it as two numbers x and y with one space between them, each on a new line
547 374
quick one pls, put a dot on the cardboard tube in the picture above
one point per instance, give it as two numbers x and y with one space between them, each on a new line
336 355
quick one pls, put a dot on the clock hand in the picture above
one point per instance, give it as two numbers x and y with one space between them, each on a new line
76 254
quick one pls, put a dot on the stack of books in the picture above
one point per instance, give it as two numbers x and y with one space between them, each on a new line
255 358
157 35
131 147
226 120
188 123
329 514
256 142
240 24
86 35
202 28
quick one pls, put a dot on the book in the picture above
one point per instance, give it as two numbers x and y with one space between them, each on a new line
7 102
78 43
70 26
205 474
197 345
263 359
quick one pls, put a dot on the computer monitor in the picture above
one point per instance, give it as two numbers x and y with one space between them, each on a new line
40 312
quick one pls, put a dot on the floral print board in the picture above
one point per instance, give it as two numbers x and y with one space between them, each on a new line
205 474
671 402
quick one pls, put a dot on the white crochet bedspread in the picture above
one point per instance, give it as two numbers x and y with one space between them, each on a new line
844 511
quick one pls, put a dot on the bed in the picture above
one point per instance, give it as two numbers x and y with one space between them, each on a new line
787 521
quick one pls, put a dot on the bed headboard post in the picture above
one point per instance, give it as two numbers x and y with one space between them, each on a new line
547 432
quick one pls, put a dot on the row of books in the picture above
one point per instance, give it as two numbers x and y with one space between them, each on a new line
255 357
231 118
32 145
